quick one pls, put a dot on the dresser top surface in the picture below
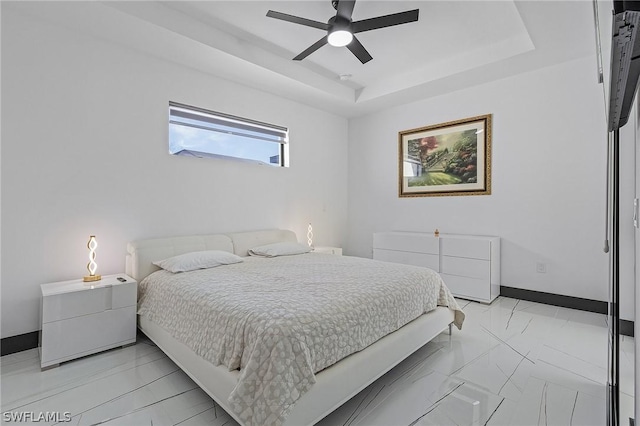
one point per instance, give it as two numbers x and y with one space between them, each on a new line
441 235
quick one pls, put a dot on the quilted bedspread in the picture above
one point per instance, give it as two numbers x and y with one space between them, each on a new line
280 320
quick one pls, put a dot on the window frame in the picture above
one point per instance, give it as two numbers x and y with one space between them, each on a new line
240 127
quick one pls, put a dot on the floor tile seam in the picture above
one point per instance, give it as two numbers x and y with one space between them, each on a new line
60 392
133 390
571 372
526 326
135 410
196 415
511 375
494 412
573 410
543 403
511 315
507 344
572 356
416 365
470 362
35 368
435 405
466 380
564 386
74 385
353 414
361 409
17 361
422 376
108 371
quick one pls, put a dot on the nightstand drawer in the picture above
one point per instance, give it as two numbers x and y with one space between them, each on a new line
71 305
88 301
472 268
125 294
76 337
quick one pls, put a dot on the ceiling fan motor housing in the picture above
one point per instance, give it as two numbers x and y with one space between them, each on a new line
338 23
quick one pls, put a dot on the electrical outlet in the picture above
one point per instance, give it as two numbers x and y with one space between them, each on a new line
541 268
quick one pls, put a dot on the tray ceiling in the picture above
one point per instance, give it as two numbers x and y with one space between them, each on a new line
455 44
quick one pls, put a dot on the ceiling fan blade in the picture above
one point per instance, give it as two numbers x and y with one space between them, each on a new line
385 21
358 49
345 9
298 20
315 46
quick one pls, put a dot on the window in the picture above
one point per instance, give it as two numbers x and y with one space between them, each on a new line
197 132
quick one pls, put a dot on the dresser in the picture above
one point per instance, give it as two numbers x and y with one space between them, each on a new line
468 264
79 318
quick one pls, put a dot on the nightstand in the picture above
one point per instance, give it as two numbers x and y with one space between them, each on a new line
328 250
79 318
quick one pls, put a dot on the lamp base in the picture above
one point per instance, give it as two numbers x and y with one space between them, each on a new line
92 278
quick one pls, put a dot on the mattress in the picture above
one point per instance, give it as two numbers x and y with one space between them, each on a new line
281 320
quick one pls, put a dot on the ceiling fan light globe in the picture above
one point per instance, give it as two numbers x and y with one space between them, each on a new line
340 38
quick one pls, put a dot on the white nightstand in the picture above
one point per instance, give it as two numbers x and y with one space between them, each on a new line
79 318
328 250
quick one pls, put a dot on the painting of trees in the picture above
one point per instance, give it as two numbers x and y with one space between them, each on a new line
446 159
452 158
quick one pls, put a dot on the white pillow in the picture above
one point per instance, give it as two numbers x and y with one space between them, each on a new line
279 249
197 260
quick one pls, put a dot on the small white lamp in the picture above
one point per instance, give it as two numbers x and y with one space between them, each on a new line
92 266
310 236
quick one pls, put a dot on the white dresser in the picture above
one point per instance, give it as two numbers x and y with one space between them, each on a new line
80 318
468 264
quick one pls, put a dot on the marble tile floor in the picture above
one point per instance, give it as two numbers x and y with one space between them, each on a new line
515 363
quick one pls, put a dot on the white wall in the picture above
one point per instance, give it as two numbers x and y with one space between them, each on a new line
548 174
84 143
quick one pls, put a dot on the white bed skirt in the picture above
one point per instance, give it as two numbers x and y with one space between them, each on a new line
335 385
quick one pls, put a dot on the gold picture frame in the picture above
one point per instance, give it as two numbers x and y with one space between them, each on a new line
452 158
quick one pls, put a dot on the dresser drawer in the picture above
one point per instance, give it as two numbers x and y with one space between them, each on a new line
468 288
407 258
460 266
466 247
75 337
406 241
88 301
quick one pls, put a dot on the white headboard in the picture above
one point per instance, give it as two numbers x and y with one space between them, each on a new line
141 253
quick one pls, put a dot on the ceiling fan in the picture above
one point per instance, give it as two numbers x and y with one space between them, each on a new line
340 29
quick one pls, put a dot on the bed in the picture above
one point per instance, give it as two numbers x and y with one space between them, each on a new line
270 353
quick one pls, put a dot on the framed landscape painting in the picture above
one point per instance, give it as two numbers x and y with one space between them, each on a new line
451 158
